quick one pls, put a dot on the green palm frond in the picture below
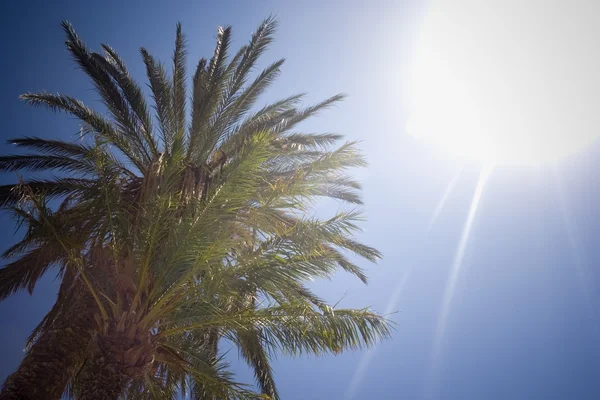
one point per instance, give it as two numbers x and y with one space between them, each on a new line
278 118
252 350
306 113
179 98
93 121
217 64
162 92
132 92
109 93
316 333
209 86
53 147
24 272
293 328
34 162
74 153
260 41
302 141
241 104
51 188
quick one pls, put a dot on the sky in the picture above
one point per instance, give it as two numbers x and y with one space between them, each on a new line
490 274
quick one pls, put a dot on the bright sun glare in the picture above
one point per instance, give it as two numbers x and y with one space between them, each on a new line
509 82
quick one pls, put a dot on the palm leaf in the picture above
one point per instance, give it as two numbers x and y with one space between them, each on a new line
132 92
179 83
208 93
94 122
162 92
251 348
110 94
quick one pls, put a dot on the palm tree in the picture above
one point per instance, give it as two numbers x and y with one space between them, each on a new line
172 236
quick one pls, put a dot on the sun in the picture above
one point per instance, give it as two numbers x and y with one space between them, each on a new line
507 82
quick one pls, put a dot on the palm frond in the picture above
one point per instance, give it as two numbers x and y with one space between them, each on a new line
132 92
301 141
179 83
241 104
264 119
316 333
24 272
209 85
308 112
217 64
35 162
93 120
51 188
162 92
251 348
260 41
53 147
110 94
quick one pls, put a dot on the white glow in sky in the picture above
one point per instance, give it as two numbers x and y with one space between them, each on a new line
513 81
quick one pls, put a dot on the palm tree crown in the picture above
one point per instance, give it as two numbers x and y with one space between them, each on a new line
175 232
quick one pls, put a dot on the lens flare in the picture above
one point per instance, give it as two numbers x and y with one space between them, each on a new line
444 199
456 270
366 359
579 261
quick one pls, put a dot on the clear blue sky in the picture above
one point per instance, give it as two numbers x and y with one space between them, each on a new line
523 322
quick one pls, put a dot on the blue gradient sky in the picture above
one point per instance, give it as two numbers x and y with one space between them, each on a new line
523 321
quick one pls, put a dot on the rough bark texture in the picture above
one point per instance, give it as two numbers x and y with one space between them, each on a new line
59 352
56 355
116 361
102 378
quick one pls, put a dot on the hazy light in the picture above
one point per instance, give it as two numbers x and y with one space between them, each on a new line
365 360
515 82
456 268
444 198
578 254
359 373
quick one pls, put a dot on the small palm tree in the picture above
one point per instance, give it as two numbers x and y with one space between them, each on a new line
171 234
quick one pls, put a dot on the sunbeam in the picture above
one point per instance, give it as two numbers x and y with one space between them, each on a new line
456 269
359 374
577 253
444 199
366 359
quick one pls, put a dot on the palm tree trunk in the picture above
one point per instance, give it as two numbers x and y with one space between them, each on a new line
56 355
47 366
59 352
117 358
102 378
